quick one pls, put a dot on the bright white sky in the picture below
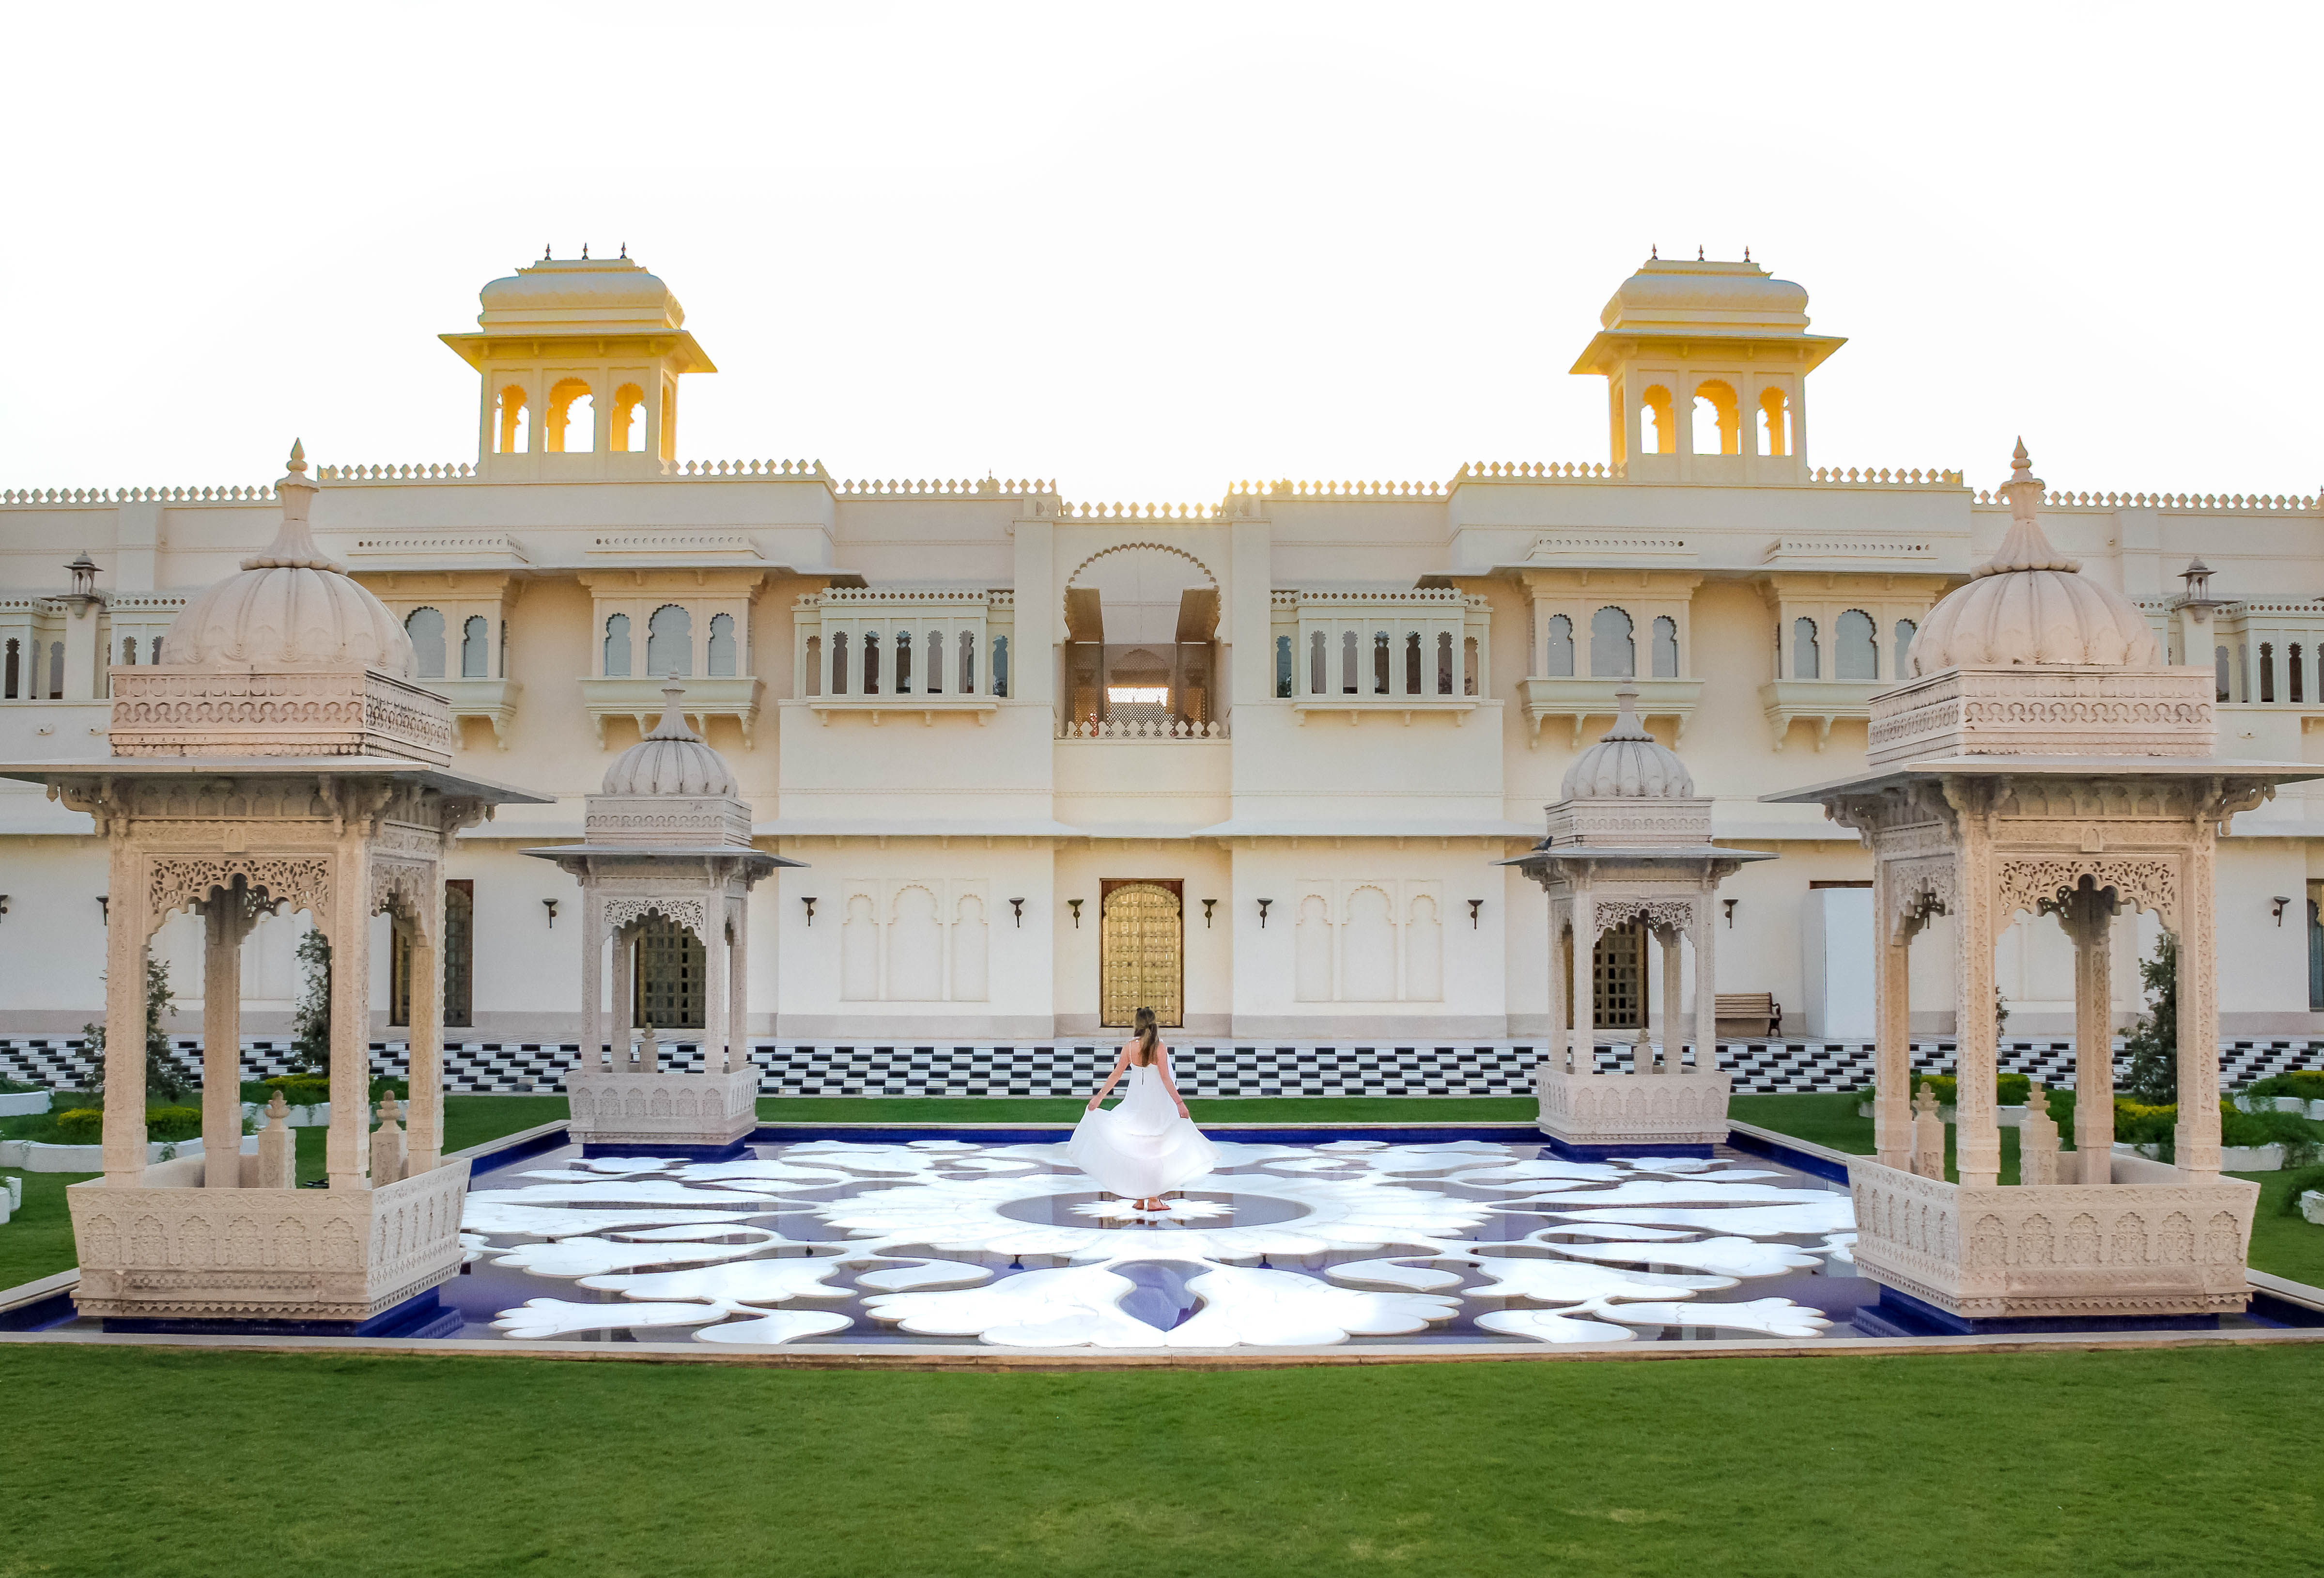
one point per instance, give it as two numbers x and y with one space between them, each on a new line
1149 250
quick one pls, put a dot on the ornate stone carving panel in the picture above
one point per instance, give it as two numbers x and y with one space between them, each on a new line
296 881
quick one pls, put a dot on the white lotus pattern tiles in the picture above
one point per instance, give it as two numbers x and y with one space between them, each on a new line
1285 1246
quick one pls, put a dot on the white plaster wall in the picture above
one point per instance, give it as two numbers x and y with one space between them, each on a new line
1836 953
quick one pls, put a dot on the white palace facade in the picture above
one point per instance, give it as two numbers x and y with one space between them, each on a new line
1253 761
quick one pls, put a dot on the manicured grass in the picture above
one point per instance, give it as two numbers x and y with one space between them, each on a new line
1940 1464
1286 1109
2286 1243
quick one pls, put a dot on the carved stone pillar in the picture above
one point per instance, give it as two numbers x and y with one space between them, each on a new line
2197 1134
1561 1049
127 922
1584 1038
592 1056
424 1115
227 918
1892 1009
350 934
624 1009
738 985
1976 1136
2088 920
1706 976
1674 1033
714 983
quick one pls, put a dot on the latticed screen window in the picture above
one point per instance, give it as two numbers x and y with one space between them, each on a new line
459 960
671 968
1618 979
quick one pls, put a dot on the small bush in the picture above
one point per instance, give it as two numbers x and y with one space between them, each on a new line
2297 1185
2308 1085
80 1126
302 1090
2010 1090
173 1123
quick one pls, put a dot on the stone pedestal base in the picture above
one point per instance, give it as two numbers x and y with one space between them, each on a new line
1633 1112
664 1108
166 1249
2154 1243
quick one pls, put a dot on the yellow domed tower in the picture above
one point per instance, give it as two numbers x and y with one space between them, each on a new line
580 362
1706 368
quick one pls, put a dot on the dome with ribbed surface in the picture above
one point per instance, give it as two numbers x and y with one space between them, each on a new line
290 609
671 759
1627 762
2030 604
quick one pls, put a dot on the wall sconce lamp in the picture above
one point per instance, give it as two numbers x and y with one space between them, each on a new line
1075 906
1730 904
104 908
810 909
1017 908
1474 906
1263 903
550 904
2280 900
1207 904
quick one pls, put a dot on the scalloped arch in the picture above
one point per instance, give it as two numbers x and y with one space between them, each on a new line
1157 547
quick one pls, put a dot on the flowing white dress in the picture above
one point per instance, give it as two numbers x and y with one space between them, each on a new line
1143 1146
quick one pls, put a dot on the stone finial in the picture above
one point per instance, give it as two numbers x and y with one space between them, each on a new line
2024 547
673 724
390 1110
277 1110
294 546
1924 1102
298 455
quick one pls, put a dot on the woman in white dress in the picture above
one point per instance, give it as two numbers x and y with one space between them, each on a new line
1148 1144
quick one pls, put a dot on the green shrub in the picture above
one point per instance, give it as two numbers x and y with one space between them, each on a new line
2010 1090
2297 1185
16 1087
2308 1085
80 1126
302 1090
173 1123
86 1125
2302 1139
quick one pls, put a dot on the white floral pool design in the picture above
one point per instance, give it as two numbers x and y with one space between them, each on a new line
1285 1246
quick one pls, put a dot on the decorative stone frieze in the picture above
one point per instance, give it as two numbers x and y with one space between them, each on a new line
2050 711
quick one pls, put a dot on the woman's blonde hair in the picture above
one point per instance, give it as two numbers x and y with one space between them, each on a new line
1148 1032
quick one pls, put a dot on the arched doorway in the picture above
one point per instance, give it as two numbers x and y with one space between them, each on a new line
1141 950
1141 623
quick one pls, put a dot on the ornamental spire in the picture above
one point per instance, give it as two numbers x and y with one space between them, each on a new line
294 546
2024 547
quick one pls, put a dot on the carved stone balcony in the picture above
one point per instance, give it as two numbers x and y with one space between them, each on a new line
167 1249
1683 1107
1820 702
640 699
2155 1241
1404 707
1580 700
662 1107
492 700
926 708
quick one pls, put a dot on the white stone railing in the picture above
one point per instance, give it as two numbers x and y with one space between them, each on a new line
2283 502
1140 729
1883 476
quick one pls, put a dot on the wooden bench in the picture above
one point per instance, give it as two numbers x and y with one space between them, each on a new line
1749 1014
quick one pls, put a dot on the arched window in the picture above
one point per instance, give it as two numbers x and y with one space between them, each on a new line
721 646
815 665
1444 662
1807 656
2219 672
1469 661
129 650
1319 678
903 645
1000 664
1612 652
871 664
1657 432
627 432
1774 422
1906 630
572 418
1380 663
1348 663
617 647
1666 647
2294 674
1857 657
476 646
1283 668
839 663
425 626
1557 648
515 426
12 678
1717 429
55 670
967 665
670 641
2267 671
933 682
1412 662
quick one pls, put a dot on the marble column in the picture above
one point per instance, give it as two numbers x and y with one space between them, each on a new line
624 1007
1706 976
2197 1135
125 927
1891 1025
1672 1035
350 935
2088 920
1977 1120
424 1114
1585 1041
227 919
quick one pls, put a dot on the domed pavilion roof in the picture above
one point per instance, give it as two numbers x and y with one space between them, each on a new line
290 609
671 759
2030 604
1627 762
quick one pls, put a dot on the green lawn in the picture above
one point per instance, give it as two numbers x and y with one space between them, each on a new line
1951 1464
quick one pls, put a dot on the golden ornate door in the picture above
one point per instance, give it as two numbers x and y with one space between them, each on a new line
1142 960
